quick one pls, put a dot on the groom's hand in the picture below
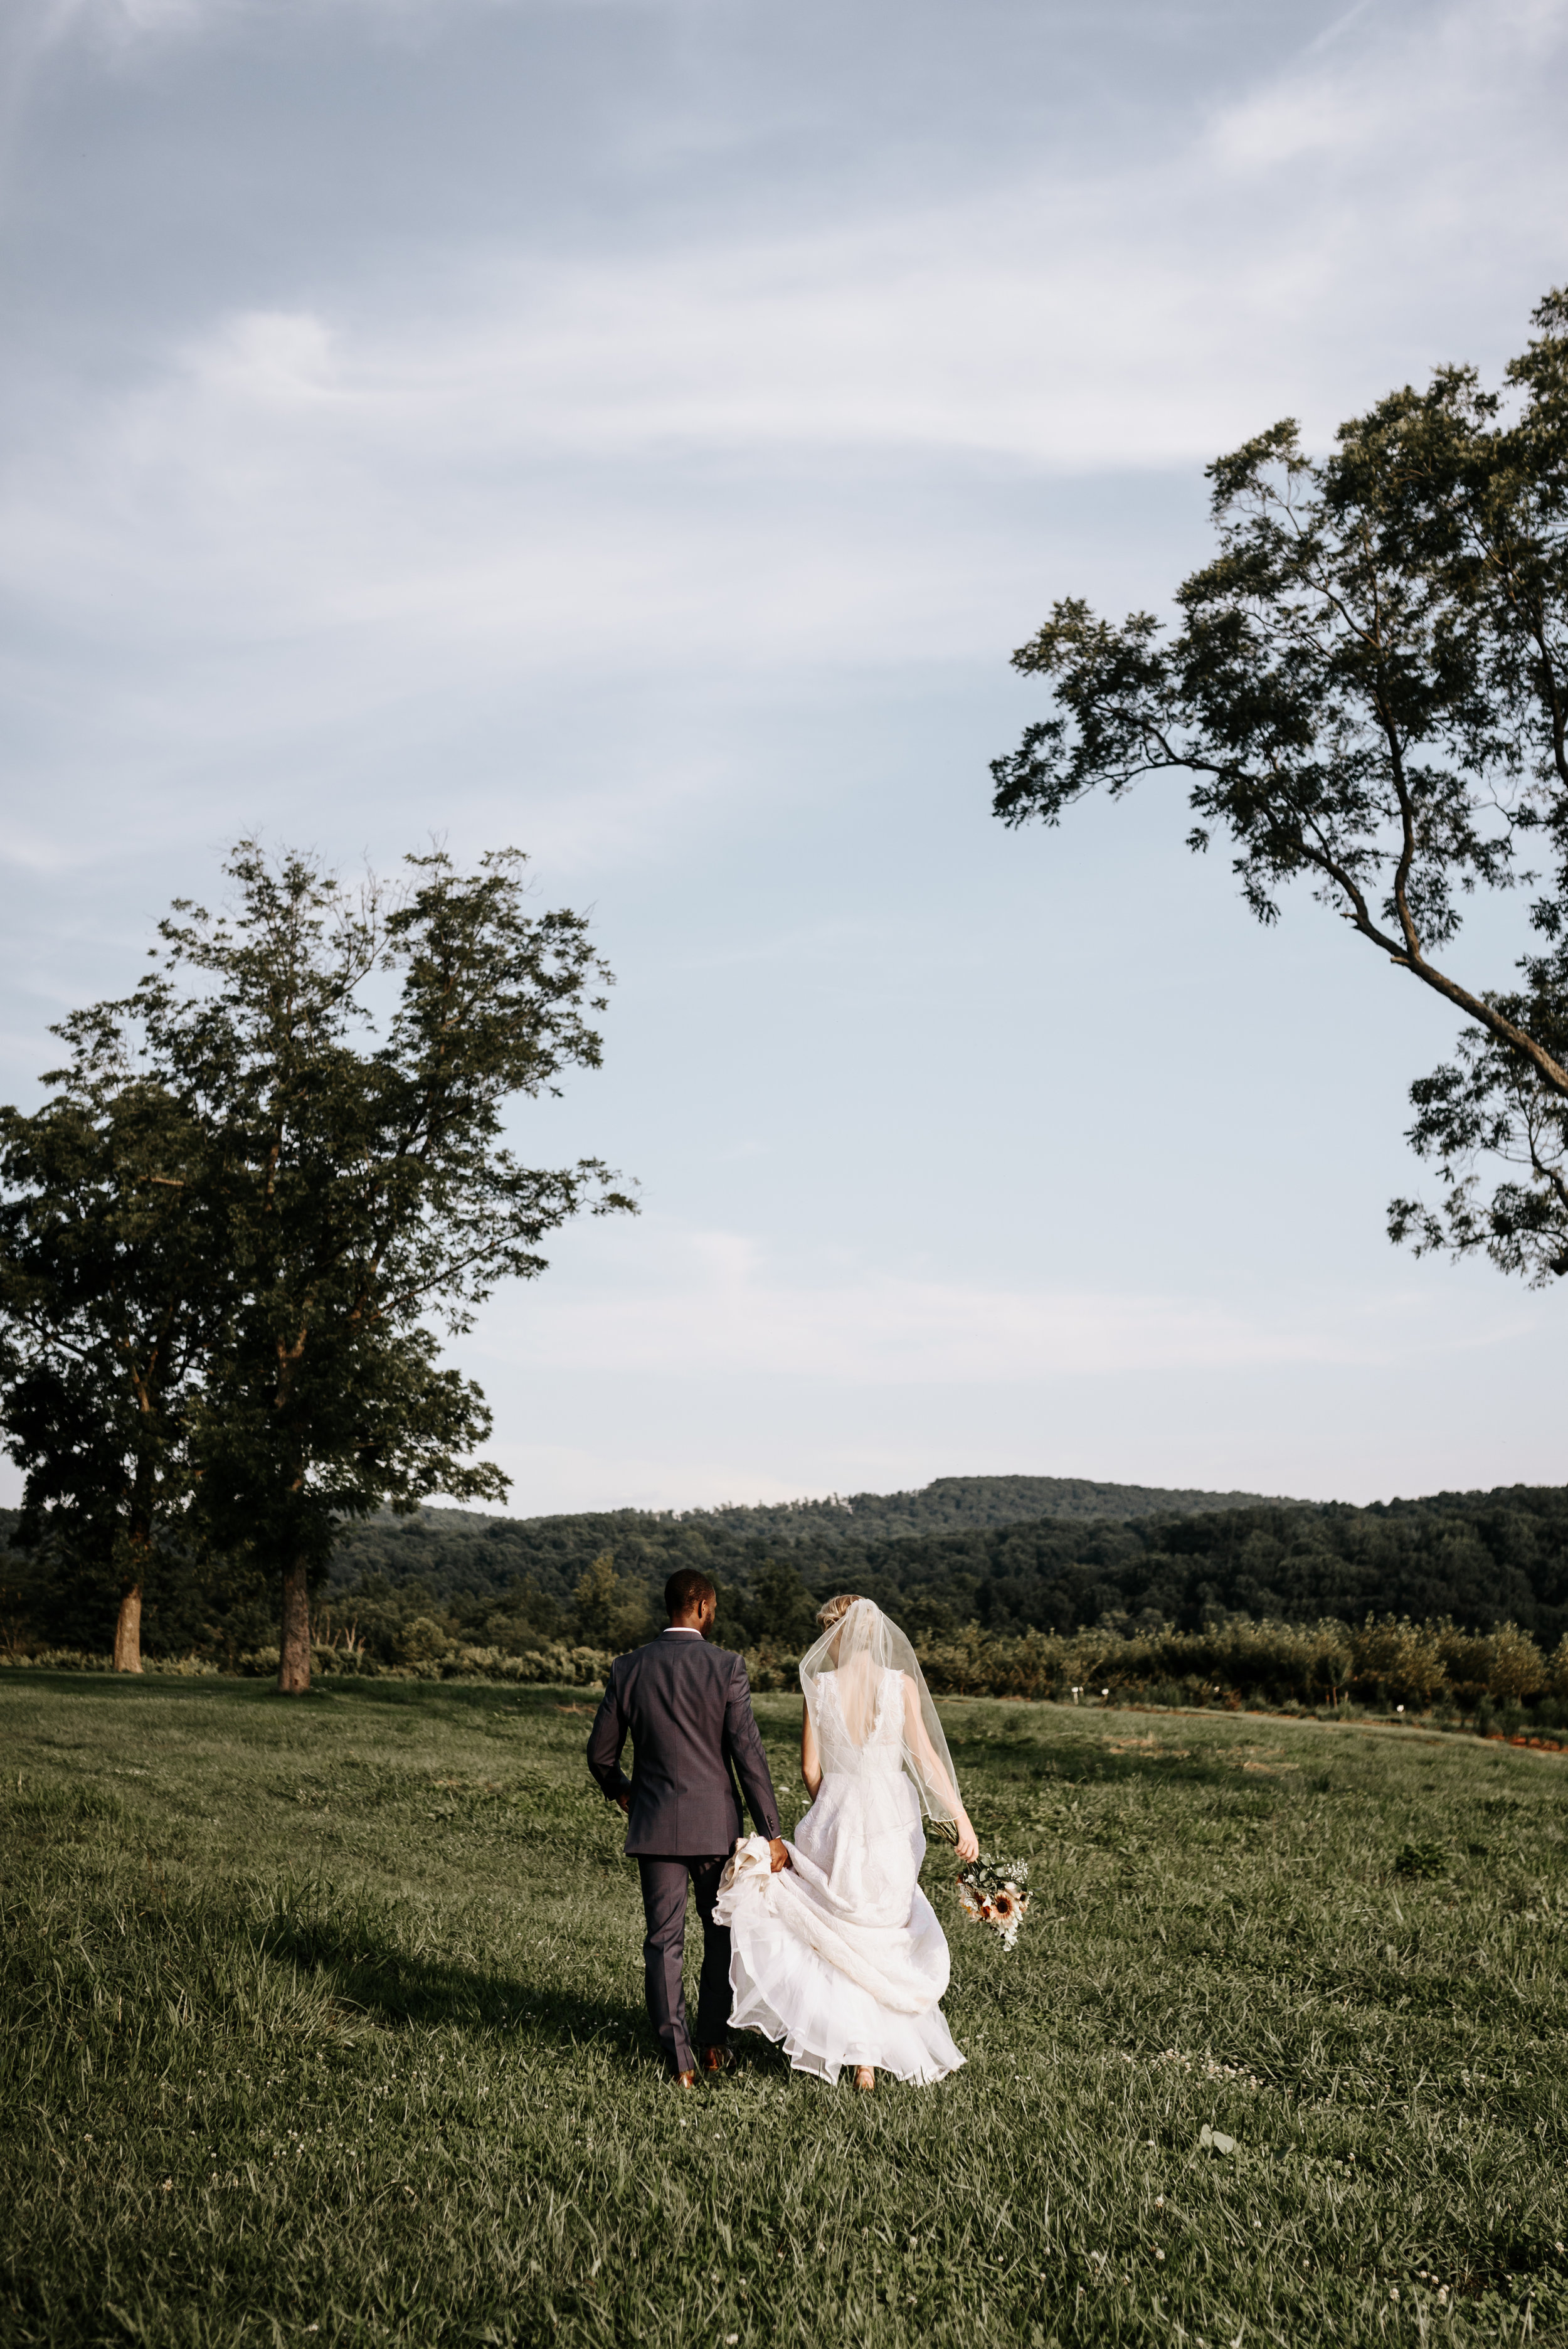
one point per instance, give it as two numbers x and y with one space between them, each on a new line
779 1855
626 1802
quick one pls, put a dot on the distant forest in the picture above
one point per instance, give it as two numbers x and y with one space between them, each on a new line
455 1550
951 1504
1010 1554
1013 1553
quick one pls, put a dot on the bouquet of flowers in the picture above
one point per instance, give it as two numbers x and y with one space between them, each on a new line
992 1890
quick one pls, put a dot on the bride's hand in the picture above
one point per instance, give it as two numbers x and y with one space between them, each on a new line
968 1841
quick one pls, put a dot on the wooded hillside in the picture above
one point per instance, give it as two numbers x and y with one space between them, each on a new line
1483 1559
1145 1558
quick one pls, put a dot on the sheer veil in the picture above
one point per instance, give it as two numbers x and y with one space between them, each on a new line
855 1652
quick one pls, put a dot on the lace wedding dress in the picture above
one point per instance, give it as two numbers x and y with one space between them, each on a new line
841 1956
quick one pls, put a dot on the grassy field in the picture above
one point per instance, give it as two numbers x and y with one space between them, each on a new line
322 2023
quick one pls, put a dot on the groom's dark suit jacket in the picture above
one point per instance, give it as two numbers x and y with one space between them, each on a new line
687 1708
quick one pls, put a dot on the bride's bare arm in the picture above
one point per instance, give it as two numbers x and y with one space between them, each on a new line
811 1767
941 1785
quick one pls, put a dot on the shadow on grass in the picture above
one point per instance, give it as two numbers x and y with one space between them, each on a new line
529 1700
1077 1763
131 1688
326 1692
362 1967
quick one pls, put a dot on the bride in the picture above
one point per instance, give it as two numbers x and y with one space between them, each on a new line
840 1955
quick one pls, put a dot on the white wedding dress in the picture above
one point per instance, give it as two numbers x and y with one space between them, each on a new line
841 1956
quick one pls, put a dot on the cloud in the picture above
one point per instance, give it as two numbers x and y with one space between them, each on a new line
120 23
722 1307
54 21
742 446
1386 86
709 449
383 518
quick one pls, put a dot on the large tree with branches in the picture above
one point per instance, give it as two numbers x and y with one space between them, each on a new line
332 1179
1368 689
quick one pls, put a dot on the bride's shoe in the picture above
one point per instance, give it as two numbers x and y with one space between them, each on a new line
864 2077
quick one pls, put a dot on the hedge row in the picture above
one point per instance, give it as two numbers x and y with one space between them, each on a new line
1385 1662
553 1665
1380 1663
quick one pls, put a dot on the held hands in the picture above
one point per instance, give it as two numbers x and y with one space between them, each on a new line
778 1855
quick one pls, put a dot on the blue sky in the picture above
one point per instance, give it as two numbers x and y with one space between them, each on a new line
639 431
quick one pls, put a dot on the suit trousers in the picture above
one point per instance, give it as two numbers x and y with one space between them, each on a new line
664 1910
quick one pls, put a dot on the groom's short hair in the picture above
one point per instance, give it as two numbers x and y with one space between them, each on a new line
686 1590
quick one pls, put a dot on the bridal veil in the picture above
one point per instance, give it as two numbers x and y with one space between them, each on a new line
856 1652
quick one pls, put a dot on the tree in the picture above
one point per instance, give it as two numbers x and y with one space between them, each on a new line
352 1185
368 1190
106 1293
613 1611
782 1605
1369 688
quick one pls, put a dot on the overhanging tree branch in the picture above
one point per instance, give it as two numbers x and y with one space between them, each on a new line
1368 687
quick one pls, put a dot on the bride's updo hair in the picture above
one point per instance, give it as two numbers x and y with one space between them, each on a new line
833 1610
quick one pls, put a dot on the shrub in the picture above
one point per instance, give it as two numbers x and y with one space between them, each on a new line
1466 1663
425 1641
771 1668
76 1659
1397 1662
1517 1670
1230 1663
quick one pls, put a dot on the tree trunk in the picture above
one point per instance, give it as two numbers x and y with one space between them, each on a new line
128 1632
293 1656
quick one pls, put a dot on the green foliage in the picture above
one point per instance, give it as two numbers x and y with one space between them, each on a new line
1368 687
108 1295
371 1624
465 1550
947 1504
1426 1860
1380 1664
365 1190
362 1977
226 1239
1480 1558
781 1609
1407 1603
612 1612
1499 1683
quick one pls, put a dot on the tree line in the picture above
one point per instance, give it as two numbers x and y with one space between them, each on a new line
1478 1560
1482 1558
949 1504
1501 1681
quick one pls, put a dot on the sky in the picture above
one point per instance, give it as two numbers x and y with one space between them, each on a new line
639 432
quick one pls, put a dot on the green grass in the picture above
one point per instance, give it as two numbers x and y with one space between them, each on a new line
322 2023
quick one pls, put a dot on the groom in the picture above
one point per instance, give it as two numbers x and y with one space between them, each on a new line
688 1710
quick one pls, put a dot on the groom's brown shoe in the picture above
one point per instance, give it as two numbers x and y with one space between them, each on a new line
717 2059
683 2079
